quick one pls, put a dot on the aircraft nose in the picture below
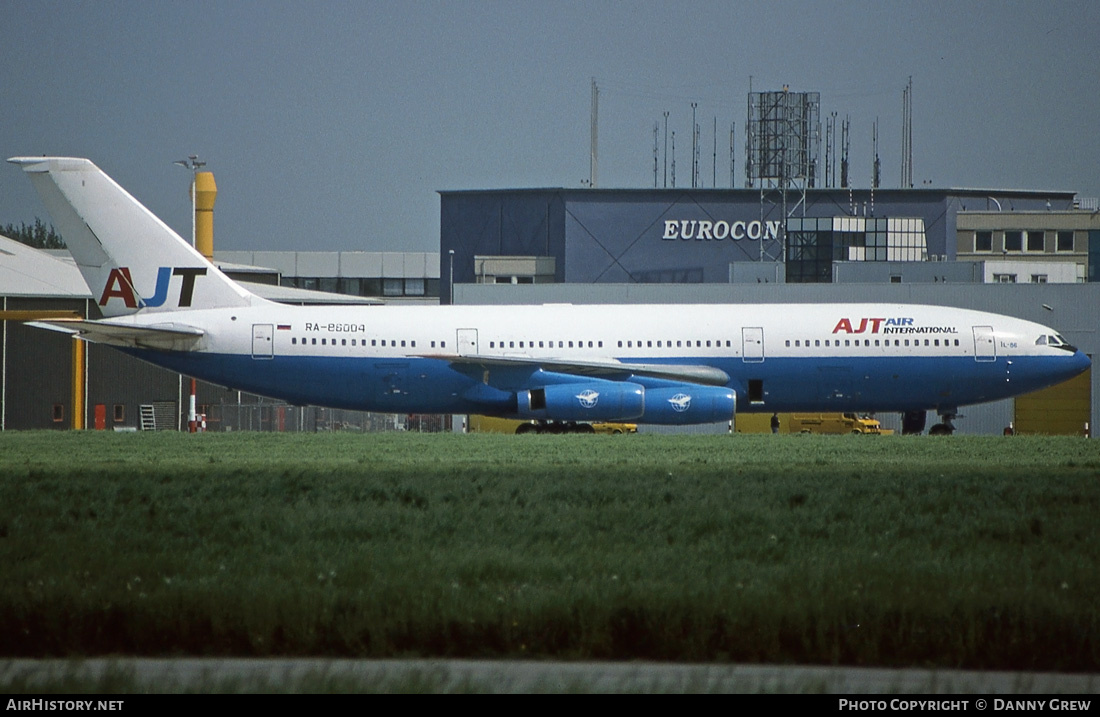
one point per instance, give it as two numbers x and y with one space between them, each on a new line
1078 363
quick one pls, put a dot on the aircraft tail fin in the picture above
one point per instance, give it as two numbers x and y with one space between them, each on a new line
130 259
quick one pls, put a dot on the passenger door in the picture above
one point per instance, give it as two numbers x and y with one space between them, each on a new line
263 347
752 344
467 342
985 348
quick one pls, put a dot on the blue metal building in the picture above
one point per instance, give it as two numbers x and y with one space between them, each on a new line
704 235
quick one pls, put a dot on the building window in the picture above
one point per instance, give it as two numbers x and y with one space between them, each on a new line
895 279
983 241
1035 241
1065 241
349 286
1038 278
1004 278
120 413
393 287
414 287
58 413
1014 241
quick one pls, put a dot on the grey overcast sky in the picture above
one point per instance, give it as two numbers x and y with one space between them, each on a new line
331 125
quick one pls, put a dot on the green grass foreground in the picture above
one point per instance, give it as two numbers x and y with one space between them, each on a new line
888 551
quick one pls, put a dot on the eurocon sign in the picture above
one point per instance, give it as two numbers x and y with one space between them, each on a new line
721 230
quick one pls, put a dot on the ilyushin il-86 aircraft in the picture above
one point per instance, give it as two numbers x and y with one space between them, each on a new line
163 302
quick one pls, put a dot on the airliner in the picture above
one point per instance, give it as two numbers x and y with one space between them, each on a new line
163 302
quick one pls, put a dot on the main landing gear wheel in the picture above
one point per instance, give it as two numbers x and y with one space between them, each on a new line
912 422
555 427
945 428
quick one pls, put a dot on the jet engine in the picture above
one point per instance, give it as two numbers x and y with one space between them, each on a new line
597 401
689 404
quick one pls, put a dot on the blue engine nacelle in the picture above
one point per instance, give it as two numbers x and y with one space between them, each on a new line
606 401
689 404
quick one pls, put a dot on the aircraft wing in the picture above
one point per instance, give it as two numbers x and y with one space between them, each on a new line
603 368
166 336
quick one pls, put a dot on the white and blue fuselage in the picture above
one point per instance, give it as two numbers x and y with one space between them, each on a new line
666 364
476 359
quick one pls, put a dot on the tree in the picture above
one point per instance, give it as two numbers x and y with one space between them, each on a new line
40 236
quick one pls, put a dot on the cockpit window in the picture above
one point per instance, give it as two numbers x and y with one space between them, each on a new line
1041 341
1050 341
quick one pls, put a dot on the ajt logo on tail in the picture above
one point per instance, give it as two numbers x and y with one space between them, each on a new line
120 285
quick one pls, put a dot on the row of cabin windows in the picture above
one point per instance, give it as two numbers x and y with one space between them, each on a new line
394 343
668 344
599 344
545 344
798 343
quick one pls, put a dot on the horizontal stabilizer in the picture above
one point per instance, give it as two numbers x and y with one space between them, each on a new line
166 336
705 375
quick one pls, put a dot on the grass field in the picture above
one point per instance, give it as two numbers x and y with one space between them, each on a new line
892 551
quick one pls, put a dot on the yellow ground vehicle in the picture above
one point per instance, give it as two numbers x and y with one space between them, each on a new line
487 424
615 428
832 423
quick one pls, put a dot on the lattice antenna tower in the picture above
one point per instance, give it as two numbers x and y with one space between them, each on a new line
666 148
656 129
876 166
674 159
845 143
714 157
694 147
733 163
696 135
907 135
594 155
782 148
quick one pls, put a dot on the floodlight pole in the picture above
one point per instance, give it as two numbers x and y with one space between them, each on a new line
451 280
